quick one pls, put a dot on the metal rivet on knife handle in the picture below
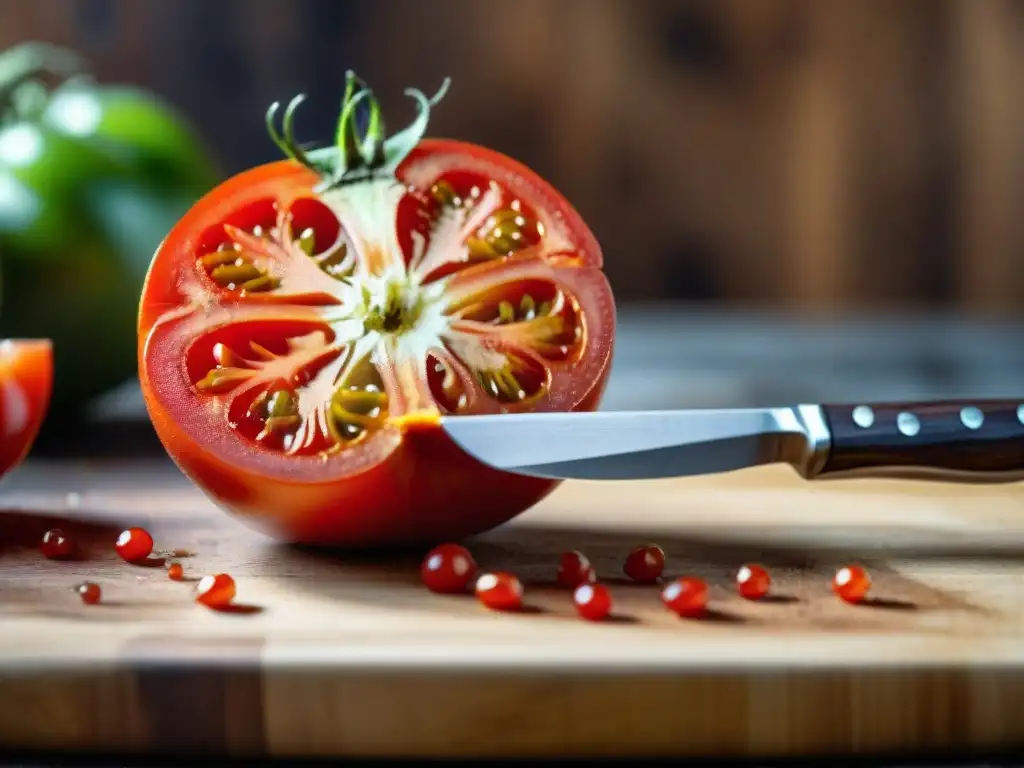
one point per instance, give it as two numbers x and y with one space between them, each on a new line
863 416
972 417
908 424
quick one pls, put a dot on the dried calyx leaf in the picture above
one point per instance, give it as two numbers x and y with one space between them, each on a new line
355 157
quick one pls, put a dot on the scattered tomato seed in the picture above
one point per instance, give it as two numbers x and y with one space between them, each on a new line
448 568
645 564
134 544
575 569
174 571
593 601
89 592
56 545
687 596
753 581
500 591
215 591
851 583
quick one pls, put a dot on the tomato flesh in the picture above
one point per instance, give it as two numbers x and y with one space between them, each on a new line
296 345
26 383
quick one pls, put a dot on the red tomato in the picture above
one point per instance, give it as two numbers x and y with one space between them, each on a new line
26 382
298 339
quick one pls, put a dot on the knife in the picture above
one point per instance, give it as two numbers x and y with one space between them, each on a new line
980 441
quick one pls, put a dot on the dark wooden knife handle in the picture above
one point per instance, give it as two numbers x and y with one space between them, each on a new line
957 439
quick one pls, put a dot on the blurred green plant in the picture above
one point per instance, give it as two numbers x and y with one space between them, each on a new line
92 177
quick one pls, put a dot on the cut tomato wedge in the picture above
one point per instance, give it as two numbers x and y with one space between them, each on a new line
302 327
26 383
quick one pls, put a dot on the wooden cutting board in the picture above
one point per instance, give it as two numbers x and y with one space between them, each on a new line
339 655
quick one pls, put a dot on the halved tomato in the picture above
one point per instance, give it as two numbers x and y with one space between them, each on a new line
302 327
26 383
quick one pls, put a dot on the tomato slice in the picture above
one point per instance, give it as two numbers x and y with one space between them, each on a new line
298 338
26 383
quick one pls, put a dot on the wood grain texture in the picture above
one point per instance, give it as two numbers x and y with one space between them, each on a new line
343 655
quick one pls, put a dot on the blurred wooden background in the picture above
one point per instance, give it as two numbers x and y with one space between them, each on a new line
803 154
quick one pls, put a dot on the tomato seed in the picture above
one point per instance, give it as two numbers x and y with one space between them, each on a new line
645 564
575 569
851 583
134 545
215 591
593 601
753 581
89 592
233 275
687 596
448 568
500 591
56 545
354 410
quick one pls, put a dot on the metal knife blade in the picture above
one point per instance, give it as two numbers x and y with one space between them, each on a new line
635 445
974 441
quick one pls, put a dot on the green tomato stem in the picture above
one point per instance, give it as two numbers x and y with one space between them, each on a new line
350 145
354 158
345 133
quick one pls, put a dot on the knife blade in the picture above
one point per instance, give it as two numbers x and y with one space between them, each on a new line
979 441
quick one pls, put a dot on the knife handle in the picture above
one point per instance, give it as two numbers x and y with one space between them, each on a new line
963 440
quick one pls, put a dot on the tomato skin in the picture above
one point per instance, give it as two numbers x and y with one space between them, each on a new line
425 491
26 384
